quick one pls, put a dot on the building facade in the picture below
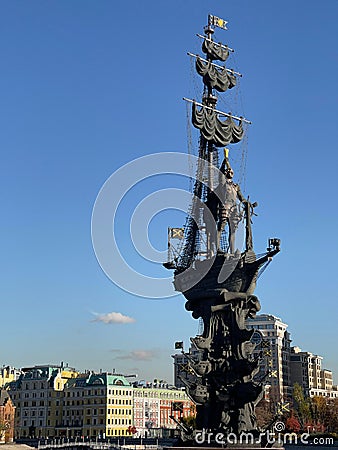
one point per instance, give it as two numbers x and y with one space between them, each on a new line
281 366
57 401
38 398
108 406
307 371
8 374
158 409
272 331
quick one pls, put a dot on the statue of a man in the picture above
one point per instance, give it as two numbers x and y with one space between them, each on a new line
229 211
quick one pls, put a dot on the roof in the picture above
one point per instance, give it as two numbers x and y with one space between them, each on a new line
98 379
106 379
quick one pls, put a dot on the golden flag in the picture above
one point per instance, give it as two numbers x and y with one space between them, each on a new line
177 233
217 22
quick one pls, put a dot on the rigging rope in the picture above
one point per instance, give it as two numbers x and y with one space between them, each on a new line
190 147
263 268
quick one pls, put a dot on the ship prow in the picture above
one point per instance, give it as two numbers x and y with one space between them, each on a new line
225 272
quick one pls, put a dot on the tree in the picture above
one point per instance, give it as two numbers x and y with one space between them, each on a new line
264 413
319 409
326 413
292 424
302 405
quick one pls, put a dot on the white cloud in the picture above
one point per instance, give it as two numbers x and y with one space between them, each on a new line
112 318
139 355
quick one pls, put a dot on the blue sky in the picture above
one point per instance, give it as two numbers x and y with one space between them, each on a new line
87 87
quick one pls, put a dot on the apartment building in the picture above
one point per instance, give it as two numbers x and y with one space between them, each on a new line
155 406
96 406
108 406
273 331
38 397
289 365
307 371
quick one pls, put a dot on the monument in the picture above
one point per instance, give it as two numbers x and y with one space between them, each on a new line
218 279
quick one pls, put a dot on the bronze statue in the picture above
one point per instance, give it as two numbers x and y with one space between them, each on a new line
217 279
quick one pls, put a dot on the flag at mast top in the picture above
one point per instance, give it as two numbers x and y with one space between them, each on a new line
217 22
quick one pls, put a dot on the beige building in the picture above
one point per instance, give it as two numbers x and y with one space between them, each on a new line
97 406
271 330
327 379
38 397
8 374
306 370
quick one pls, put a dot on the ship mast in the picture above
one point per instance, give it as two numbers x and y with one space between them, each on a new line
210 101
205 238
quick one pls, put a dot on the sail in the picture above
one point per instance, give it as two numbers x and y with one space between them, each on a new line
214 51
213 78
214 130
